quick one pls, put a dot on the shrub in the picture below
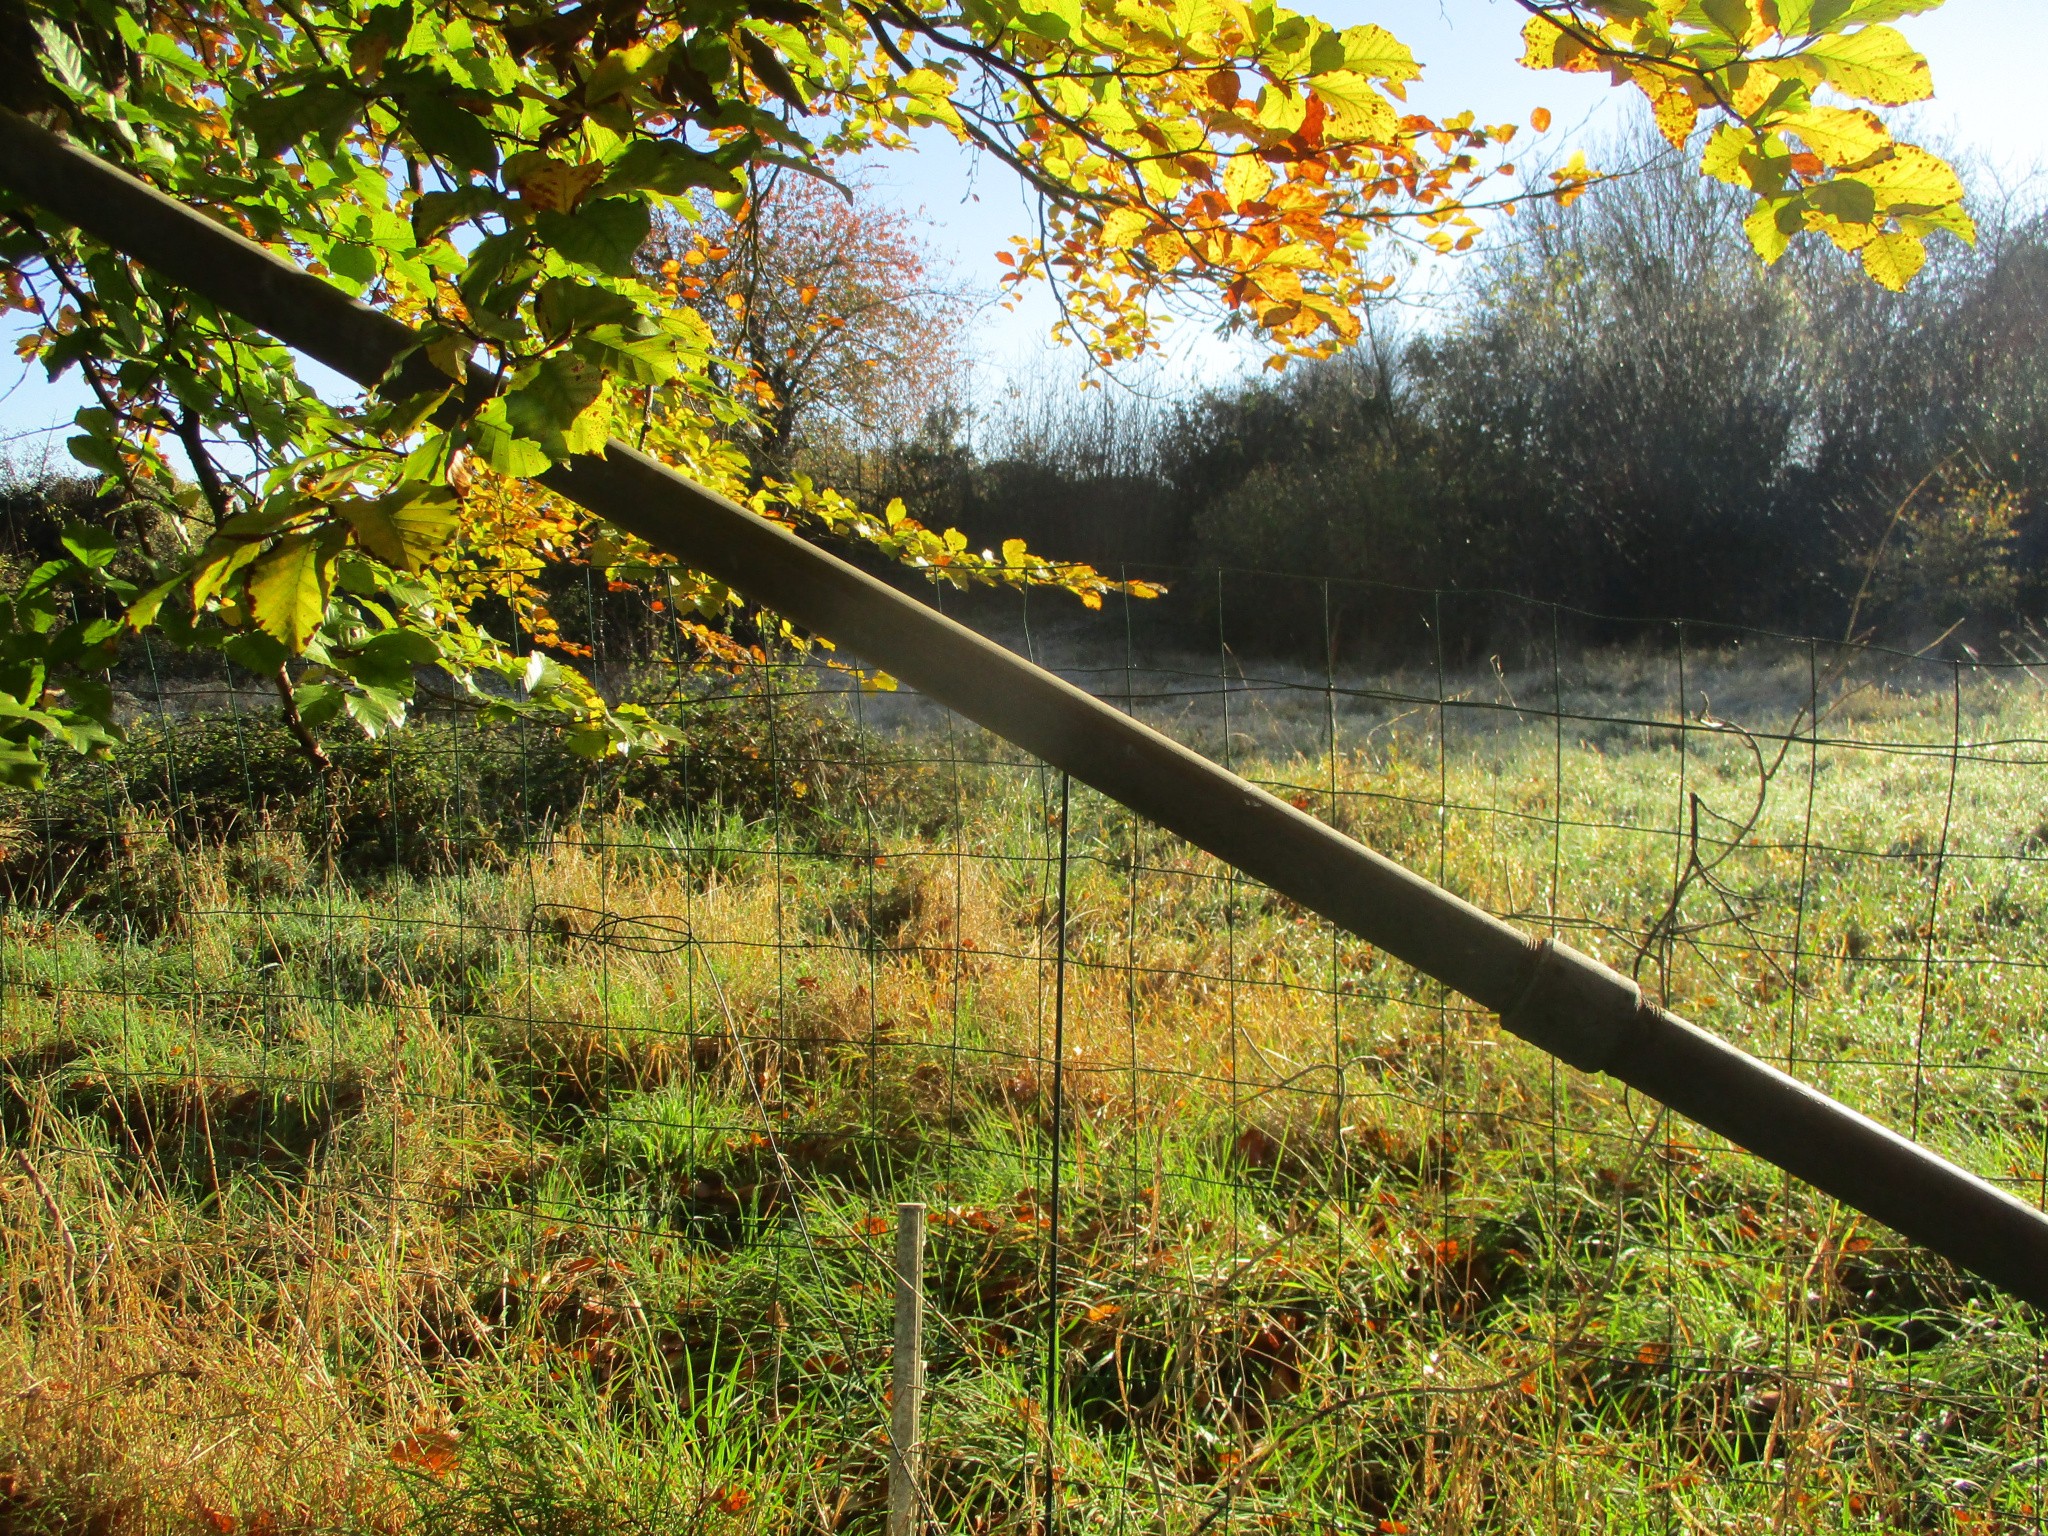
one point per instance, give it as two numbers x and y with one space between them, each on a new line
442 795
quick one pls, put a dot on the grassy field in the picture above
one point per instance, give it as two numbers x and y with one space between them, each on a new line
474 1146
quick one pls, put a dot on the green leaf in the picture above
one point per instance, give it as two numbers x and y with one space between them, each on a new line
447 131
567 304
318 703
634 358
1055 20
21 765
1373 50
288 590
255 650
95 453
492 436
387 660
496 259
406 528
324 112
771 71
440 210
91 547
1729 18
669 168
223 558
604 234
64 59
142 611
377 710
1848 199
1828 15
561 391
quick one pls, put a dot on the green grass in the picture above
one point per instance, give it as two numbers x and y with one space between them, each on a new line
541 1177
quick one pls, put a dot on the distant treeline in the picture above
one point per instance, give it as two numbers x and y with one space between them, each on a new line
1624 411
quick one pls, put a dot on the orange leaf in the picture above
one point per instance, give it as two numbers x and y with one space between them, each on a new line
434 1451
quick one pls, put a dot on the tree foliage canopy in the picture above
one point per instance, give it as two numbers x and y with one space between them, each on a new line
490 172
827 300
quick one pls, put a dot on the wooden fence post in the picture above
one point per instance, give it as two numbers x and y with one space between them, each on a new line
906 1396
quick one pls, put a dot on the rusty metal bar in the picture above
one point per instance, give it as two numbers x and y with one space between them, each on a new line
1548 993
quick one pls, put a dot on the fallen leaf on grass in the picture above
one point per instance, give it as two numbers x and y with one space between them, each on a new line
433 1451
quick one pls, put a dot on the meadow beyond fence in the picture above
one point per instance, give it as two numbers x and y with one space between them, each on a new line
476 1139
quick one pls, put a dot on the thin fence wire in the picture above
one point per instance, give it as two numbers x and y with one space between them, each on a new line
534 1129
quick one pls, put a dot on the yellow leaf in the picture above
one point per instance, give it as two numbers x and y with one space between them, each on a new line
288 590
1913 177
925 82
1735 20
1751 86
1356 108
555 185
1875 63
1246 179
1952 218
1123 227
1373 50
222 560
406 528
1280 111
1840 136
1546 45
932 94
1164 251
1765 233
1160 179
1894 260
1726 156
1295 254
375 532
1675 112
1573 178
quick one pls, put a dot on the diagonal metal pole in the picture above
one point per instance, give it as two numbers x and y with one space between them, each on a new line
1548 993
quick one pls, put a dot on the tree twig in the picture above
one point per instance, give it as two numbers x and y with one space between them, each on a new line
295 723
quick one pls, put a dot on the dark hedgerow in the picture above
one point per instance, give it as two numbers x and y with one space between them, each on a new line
440 796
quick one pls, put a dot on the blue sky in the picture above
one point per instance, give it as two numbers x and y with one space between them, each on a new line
1988 101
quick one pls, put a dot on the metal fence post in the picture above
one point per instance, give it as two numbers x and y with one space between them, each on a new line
906 1398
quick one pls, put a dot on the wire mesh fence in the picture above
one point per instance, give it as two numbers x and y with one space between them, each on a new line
478 1137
